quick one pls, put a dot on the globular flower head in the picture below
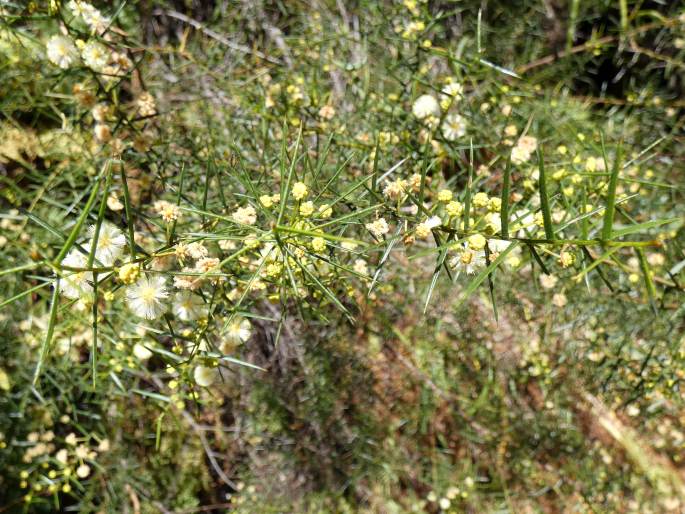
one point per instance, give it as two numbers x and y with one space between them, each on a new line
378 227
327 112
300 190
239 330
548 281
444 195
424 228
453 127
454 208
422 231
141 352
452 91
245 215
361 267
395 189
61 51
306 209
197 250
425 106
204 376
566 259
476 242
147 106
95 55
76 284
168 211
146 298
318 244
480 200
83 471
495 204
110 243
129 273
187 306
469 261
91 15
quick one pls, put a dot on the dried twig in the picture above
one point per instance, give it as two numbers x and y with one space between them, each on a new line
215 35
589 45
203 440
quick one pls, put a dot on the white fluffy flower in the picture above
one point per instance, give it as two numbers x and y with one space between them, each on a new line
146 297
453 127
204 376
494 221
196 250
245 215
187 306
95 20
433 222
83 471
61 51
239 331
62 456
425 106
78 8
361 267
519 155
469 261
141 352
95 55
110 244
453 90
378 227
91 15
498 245
524 149
75 284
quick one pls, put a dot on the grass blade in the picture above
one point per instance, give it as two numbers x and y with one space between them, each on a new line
504 211
434 280
641 227
469 185
491 284
596 263
611 197
647 276
22 294
478 280
129 213
544 198
45 348
285 185
73 235
384 258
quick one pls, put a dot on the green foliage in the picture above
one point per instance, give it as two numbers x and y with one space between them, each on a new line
381 257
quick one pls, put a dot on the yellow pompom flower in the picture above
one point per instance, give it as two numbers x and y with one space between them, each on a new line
495 204
445 196
454 208
318 244
480 200
422 231
129 273
476 242
300 190
307 209
566 259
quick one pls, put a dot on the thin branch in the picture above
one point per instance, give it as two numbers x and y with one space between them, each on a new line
215 35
